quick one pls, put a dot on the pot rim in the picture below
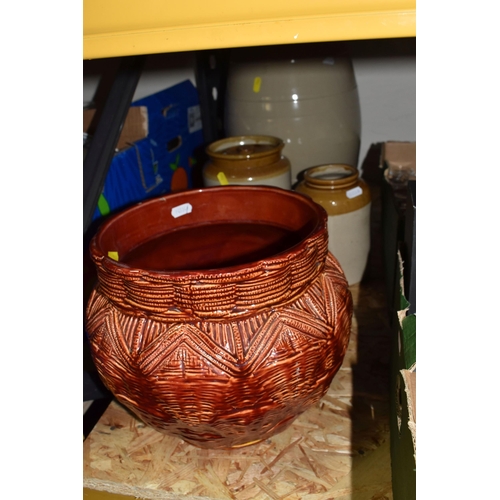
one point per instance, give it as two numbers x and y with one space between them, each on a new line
97 252
225 291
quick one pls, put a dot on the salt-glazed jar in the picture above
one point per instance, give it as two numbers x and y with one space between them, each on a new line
347 200
307 97
254 159
219 315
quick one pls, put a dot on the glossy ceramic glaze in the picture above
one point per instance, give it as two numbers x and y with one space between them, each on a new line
229 347
347 200
247 160
312 103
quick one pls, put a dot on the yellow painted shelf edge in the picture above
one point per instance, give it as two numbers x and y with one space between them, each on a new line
149 35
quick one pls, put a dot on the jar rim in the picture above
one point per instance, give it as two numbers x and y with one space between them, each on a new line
331 175
216 149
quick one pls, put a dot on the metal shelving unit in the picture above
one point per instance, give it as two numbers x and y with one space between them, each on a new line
125 28
131 30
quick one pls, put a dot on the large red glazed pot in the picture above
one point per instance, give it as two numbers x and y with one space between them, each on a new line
219 315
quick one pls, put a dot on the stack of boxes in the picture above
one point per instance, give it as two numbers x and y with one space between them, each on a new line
399 232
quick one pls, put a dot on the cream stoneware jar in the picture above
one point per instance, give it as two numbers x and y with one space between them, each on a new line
347 201
247 160
312 103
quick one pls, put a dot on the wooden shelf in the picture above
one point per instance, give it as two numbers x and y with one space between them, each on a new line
126 27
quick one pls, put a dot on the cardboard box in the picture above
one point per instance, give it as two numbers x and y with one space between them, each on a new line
404 438
403 396
163 161
398 161
408 248
134 128
406 326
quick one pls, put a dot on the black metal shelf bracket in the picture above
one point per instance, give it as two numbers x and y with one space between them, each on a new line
104 140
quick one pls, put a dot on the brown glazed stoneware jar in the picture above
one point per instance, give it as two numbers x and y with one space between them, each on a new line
219 315
252 159
347 200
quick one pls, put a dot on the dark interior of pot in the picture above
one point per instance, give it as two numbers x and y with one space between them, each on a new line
211 228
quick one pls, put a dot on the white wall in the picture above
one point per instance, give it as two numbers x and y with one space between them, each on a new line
387 90
385 72
160 72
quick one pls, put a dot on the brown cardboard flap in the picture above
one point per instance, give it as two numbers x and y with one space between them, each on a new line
400 153
134 129
410 386
399 159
